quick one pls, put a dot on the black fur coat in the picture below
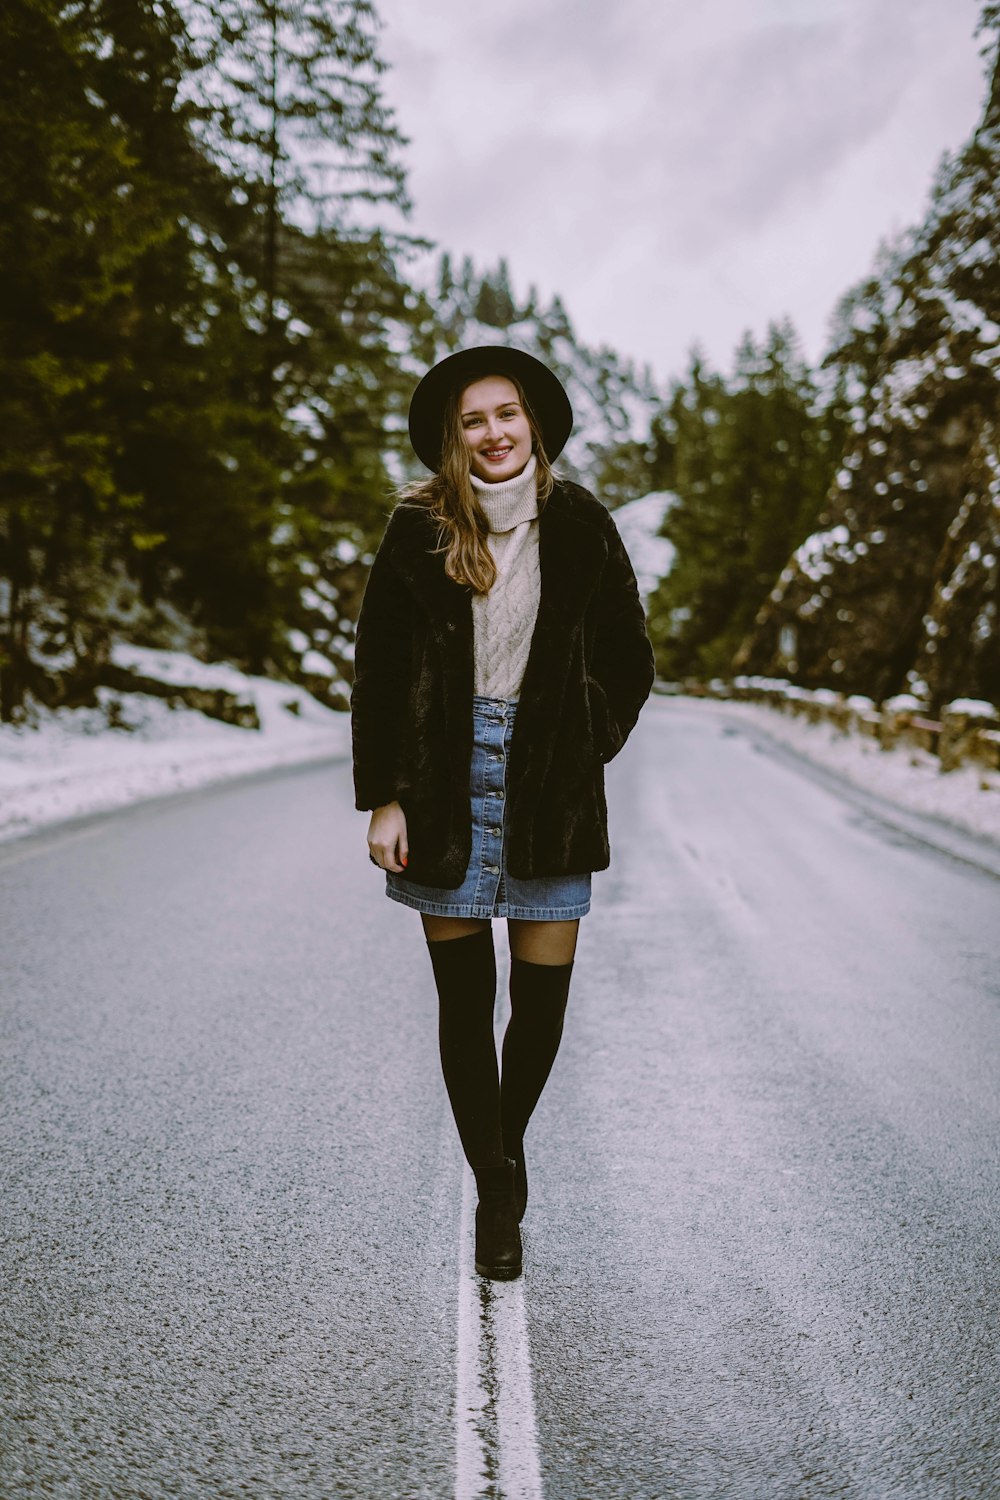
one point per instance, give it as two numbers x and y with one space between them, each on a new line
589 671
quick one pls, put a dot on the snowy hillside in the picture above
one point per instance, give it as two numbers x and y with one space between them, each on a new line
613 405
612 401
69 762
898 587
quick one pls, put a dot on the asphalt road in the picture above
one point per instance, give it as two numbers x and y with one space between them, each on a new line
762 1247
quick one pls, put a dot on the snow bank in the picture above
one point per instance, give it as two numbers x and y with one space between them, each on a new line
72 761
968 797
972 708
638 523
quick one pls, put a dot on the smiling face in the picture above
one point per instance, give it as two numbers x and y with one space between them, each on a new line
495 427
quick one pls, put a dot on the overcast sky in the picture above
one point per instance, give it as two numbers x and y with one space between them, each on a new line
679 171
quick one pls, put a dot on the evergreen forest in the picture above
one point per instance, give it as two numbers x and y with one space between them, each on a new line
210 324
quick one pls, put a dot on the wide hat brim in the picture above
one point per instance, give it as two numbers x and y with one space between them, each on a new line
543 391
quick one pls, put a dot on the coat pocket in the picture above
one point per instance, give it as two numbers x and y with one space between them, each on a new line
600 719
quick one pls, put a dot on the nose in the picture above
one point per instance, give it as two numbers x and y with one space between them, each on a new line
493 429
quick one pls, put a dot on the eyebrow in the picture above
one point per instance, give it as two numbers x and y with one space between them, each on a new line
478 411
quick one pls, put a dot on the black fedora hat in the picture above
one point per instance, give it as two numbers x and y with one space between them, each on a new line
544 393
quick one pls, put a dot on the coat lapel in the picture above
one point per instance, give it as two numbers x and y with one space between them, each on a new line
446 602
571 554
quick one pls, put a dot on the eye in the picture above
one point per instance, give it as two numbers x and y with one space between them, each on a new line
470 421
509 412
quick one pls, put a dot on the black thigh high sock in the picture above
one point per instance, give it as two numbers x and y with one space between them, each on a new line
538 995
465 973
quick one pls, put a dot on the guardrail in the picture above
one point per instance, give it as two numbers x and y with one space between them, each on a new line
967 731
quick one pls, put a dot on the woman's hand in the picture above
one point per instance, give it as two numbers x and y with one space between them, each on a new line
387 838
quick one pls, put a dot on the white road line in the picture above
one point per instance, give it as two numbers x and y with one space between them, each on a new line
477 1464
520 1471
496 1438
496 1435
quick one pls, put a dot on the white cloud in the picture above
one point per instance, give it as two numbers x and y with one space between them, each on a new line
679 172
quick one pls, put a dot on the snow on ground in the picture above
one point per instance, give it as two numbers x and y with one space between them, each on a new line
638 523
967 798
72 762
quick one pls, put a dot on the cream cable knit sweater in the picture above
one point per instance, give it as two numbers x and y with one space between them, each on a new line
504 619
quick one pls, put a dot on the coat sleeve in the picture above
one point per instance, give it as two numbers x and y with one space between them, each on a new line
382 650
623 662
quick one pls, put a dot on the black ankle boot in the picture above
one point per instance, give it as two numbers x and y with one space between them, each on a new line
498 1239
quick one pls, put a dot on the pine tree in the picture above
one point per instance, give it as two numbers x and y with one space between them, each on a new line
84 216
468 281
789 447
298 115
506 305
750 461
487 307
899 587
988 27
690 605
293 107
557 320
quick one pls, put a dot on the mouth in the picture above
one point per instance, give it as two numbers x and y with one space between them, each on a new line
496 455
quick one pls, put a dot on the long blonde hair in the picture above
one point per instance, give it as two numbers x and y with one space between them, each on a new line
451 499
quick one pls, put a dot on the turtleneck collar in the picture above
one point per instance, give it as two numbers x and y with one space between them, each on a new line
510 501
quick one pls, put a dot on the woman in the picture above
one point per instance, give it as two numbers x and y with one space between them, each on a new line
501 660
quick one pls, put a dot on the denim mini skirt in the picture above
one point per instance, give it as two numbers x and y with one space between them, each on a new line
488 890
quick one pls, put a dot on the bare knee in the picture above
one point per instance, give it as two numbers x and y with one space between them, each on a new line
441 929
543 942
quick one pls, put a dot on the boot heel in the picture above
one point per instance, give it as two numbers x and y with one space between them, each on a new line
498 1238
